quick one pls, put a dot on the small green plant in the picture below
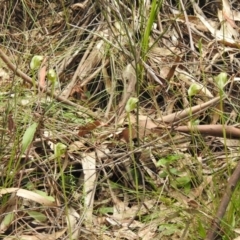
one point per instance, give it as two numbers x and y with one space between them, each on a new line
36 62
52 77
155 6
130 106
221 80
194 89
59 151
179 178
34 66
72 180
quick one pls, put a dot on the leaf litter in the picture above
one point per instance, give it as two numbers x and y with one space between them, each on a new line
148 174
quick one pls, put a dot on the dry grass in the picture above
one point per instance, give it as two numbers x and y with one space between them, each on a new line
91 170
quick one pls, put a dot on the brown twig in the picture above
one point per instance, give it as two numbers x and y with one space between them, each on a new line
26 78
174 117
215 130
232 183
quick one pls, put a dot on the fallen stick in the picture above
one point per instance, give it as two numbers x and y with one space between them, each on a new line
232 183
215 130
174 117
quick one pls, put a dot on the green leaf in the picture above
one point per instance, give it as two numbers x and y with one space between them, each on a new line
201 229
182 181
40 217
28 136
105 210
168 160
174 171
163 174
131 104
200 45
162 162
168 229
8 219
36 62
44 194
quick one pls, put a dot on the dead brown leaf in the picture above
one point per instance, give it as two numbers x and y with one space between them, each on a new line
83 130
42 77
